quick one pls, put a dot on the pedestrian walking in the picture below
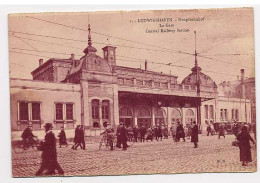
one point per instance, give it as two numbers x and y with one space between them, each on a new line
62 138
180 132
209 130
49 154
221 131
165 132
160 133
244 145
130 134
76 137
123 136
149 134
118 132
109 135
195 134
135 131
173 131
189 131
81 138
142 133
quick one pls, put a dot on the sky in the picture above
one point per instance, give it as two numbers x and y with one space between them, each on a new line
224 40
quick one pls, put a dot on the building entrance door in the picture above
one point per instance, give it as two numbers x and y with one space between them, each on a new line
176 116
126 116
146 122
143 117
127 121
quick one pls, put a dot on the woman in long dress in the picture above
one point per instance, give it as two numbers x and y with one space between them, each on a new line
244 145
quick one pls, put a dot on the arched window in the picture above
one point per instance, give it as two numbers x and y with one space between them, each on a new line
126 117
95 109
143 112
190 116
160 117
176 116
143 117
124 111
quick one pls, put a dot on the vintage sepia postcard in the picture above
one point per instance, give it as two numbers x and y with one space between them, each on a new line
132 92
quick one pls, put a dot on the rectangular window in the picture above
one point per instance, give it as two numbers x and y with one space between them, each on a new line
211 112
206 112
59 111
23 111
36 112
237 115
105 109
221 114
95 109
225 114
69 111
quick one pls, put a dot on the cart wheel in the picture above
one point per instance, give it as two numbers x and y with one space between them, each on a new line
130 143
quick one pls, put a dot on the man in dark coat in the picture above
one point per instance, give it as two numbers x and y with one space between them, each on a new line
244 145
123 136
135 131
221 131
156 133
195 134
159 131
142 133
49 154
118 139
62 137
76 137
180 132
81 138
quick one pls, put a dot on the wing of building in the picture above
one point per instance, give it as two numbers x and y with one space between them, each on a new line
93 91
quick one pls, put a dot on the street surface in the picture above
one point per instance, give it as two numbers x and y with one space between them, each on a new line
163 157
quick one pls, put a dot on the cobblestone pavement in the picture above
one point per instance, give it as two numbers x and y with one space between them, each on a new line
164 157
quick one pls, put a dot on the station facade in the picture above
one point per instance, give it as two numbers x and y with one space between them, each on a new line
93 91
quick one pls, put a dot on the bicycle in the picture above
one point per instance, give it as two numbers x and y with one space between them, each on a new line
106 143
21 145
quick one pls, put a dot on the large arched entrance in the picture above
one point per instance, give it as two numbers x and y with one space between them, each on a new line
143 117
176 116
189 116
160 117
126 116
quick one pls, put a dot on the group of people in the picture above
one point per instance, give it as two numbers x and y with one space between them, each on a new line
143 134
50 164
79 138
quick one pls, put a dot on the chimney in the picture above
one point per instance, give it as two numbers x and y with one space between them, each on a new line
72 57
243 91
40 62
145 65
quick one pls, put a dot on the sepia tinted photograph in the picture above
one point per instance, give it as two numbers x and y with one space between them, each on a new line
132 92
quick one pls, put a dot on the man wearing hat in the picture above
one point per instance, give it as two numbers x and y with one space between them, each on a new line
110 135
49 154
123 136
118 132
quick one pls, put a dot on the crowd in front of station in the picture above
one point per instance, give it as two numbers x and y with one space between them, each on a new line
125 134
